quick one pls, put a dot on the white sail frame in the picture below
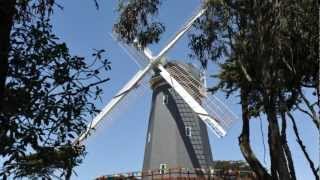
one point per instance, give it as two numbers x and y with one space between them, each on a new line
194 105
155 63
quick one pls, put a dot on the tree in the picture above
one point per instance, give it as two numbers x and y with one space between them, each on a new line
267 51
46 93
271 57
6 22
225 165
135 24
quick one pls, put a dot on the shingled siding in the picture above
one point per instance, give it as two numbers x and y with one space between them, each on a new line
167 141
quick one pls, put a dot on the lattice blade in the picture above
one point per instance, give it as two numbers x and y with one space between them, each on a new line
180 33
220 111
120 112
136 55
120 96
215 107
194 105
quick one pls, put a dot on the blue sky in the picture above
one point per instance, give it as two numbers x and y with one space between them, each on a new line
118 145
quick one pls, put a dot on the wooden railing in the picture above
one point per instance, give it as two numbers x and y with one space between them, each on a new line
185 174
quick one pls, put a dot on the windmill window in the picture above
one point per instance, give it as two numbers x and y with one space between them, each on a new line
165 99
202 162
163 168
188 131
149 137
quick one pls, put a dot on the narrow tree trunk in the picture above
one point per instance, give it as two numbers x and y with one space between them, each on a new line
285 146
279 166
244 142
7 11
68 174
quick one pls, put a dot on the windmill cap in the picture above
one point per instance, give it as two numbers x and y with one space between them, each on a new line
191 68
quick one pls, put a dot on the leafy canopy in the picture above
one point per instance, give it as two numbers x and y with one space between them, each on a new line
48 96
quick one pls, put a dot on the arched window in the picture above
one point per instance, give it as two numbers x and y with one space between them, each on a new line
188 131
165 99
163 168
149 137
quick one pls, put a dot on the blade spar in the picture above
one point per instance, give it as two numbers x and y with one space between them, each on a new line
114 102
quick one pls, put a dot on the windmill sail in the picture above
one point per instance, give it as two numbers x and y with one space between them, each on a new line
131 85
219 111
194 105
213 105
180 33
215 120
139 58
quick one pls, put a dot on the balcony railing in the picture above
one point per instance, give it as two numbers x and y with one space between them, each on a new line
185 174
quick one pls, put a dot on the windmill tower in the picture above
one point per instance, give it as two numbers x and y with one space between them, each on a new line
180 113
176 137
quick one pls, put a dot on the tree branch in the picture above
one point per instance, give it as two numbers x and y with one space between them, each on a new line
302 146
313 115
286 147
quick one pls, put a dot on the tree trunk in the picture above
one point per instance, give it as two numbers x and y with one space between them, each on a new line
7 11
285 146
279 166
244 142
68 174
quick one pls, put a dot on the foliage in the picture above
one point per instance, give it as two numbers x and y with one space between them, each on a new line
47 96
135 22
47 161
226 165
248 34
270 54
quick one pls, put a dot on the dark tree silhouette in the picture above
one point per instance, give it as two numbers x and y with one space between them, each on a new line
46 94
270 56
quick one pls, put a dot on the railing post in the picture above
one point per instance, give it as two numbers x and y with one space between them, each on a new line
188 173
152 174
162 174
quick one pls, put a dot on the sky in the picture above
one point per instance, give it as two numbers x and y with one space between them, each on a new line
118 144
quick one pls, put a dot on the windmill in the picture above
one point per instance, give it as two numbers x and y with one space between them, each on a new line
180 110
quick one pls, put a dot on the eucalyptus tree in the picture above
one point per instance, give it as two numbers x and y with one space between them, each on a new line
271 56
267 52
